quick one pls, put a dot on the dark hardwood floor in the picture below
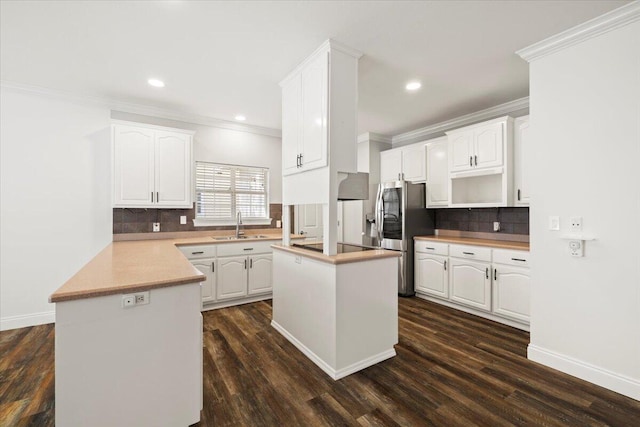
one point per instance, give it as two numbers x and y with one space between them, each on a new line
452 369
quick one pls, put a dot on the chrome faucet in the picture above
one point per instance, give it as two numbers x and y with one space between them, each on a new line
238 224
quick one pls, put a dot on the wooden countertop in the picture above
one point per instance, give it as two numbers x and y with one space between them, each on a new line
340 258
498 244
135 266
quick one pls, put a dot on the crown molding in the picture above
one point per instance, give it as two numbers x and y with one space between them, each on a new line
144 110
468 119
604 23
374 137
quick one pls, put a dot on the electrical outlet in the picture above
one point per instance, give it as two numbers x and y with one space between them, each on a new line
183 219
496 226
575 223
156 226
577 248
132 300
298 259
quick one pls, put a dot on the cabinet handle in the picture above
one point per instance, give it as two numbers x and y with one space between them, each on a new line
213 267
470 161
250 262
197 253
468 253
245 264
157 197
486 272
518 259
247 249
431 249
495 274
300 159
445 265
518 194
152 197
476 159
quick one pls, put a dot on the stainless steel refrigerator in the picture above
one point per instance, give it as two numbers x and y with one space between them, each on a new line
401 215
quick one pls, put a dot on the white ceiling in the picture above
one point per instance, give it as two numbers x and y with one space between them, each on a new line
219 59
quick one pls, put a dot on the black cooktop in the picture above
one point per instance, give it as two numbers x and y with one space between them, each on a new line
343 248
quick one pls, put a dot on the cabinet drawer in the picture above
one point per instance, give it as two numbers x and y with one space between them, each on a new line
430 247
245 248
470 252
199 251
511 257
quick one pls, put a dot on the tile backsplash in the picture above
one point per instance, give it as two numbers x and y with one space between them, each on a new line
138 220
512 220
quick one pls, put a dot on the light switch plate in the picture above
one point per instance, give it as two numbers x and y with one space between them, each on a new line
554 223
183 219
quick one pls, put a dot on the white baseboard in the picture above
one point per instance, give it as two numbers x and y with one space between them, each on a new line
586 371
333 373
229 303
15 322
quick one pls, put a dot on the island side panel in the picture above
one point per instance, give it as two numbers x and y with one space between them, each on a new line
133 366
367 313
304 306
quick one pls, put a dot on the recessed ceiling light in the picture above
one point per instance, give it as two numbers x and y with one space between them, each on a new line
240 118
413 85
155 82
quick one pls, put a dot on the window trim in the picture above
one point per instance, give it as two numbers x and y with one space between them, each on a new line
208 222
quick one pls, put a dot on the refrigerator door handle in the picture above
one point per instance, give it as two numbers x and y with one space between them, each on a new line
379 214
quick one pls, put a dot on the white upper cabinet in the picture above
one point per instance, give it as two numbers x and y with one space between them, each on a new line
405 163
390 165
478 146
151 167
304 117
134 164
437 172
521 141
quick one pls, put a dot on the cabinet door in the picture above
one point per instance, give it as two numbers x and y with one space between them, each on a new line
314 113
511 292
133 166
208 286
260 280
437 174
390 165
461 151
521 171
488 142
413 163
470 283
291 125
173 169
431 275
232 277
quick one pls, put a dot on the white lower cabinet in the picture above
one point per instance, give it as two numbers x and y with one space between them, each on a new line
235 272
232 277
208 286
470 283
494 283
260 274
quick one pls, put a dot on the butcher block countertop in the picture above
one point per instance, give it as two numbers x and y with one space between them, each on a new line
339 258
498 244
141 265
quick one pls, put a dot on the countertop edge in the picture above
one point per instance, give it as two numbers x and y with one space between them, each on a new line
340 258
497 244
77 295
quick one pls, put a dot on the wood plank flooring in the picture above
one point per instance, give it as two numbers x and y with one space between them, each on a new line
452 369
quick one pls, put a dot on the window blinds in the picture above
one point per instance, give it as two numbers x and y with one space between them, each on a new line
222 190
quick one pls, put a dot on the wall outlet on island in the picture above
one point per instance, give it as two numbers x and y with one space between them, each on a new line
156 226
496 226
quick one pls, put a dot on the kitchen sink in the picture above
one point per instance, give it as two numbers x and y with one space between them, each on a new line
258 236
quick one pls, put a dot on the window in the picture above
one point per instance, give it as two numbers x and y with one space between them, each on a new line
223 190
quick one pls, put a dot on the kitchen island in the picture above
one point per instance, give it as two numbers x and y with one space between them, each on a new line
341 310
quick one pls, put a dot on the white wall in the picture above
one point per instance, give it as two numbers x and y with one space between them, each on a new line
212 144
585 161
55 199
